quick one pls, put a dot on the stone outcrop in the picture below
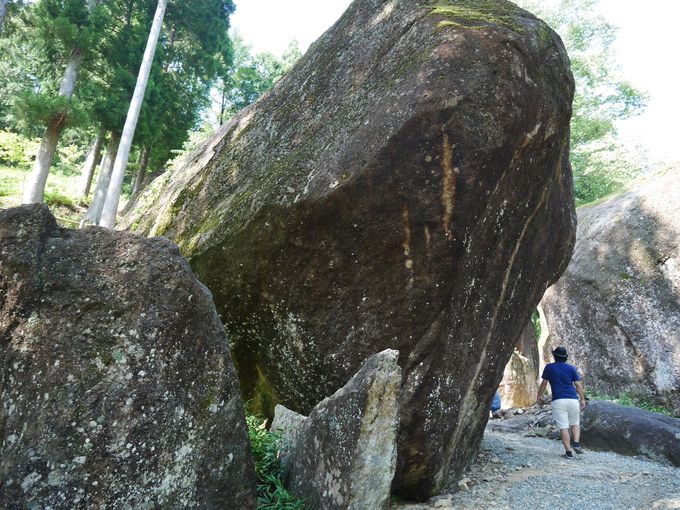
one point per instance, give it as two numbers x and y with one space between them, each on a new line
631 431
617 307
343 456
405 186
519 386
116 384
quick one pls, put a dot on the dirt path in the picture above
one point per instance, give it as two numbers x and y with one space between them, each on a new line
518 472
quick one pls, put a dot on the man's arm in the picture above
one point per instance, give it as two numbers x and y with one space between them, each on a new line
581 395
541 390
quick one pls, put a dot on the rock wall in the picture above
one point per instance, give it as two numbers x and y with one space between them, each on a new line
116 384
405 186
617 307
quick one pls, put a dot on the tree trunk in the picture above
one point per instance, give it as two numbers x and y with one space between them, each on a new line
223 103
108 218
138 186
141 172
93 214
91 162
3 11
34 188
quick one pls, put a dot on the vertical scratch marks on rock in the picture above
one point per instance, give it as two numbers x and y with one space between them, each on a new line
428 242
406 243
469 404
448 185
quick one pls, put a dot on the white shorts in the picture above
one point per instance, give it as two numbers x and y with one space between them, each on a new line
566 412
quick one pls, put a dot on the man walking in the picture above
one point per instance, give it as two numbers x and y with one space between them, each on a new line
568 399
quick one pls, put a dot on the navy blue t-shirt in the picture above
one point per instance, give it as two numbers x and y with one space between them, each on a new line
561 376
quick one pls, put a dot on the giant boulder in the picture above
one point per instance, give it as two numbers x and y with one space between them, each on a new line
405 186
116 384
617 307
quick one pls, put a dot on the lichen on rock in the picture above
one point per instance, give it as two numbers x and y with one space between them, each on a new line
117 386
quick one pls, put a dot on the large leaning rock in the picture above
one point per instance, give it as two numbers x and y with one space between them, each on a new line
617 307
116 384
631 431
405 186
343 455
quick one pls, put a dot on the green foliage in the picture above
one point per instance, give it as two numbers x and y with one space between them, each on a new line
631 400
271 495
601 164
61 192
56 199
38 109
253 74
536 324
17 150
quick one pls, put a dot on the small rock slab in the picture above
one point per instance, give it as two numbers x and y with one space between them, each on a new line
343 456
631 431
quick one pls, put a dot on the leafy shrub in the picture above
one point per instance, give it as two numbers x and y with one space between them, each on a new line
56 199
271 494
69 159
17 150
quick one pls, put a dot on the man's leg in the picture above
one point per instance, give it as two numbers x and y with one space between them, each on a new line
574 425
564 434
561 417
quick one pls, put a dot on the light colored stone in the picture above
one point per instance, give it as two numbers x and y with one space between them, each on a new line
343 456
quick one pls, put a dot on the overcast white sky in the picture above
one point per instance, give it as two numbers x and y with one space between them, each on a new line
648 50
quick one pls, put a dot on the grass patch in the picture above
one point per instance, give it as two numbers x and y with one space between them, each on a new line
477 14
271 494
61 192
630 400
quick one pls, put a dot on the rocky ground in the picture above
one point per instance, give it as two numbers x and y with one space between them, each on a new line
515 470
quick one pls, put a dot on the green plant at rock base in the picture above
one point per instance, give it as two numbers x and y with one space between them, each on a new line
628 399
271 494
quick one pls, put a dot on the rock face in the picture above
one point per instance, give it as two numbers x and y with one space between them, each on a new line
116 384
617 307
342 457
520 377
631 431
405 186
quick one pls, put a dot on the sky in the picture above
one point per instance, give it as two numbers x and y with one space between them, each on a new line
647 49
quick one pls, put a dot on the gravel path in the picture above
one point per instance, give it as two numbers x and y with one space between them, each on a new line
518 472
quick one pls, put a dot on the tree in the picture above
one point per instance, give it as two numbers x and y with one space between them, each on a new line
195 49
68 30
110 210
600 164
252 75
91 162
94 212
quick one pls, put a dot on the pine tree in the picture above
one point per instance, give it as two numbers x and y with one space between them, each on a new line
108 218
69 25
